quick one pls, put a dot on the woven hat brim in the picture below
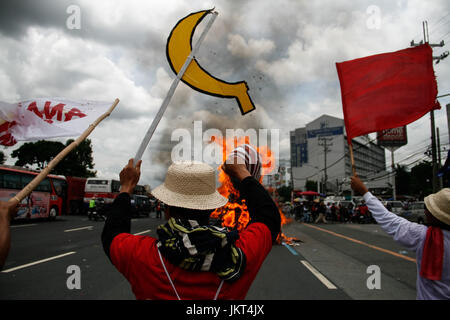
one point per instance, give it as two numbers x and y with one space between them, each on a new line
199 202
435 210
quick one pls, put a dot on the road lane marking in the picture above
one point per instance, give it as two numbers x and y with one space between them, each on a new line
77 229
292 250
318 275
38 262
24 225
398 255
142 232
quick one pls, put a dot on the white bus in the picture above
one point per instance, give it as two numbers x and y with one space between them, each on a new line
107 189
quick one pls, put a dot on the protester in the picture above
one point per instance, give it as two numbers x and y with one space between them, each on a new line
191 259
7 211
315 209
355 214
363 212
334 212
350 212
158 209
92 204
298 211
431 243
306 212
322 210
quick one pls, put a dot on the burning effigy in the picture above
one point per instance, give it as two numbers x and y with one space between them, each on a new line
234 215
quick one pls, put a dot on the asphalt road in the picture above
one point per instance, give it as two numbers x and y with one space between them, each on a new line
331 263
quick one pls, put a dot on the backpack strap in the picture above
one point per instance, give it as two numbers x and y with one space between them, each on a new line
173 286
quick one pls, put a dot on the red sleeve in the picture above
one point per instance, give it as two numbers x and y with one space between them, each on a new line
256 242
125 248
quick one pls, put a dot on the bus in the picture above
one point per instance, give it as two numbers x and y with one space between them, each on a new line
46 200
74 203
107 189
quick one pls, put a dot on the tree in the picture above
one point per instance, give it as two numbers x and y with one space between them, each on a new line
38 153
78 163
2 157
285 193
402 180
422 179
311 185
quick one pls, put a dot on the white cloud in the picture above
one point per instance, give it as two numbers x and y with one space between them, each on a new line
239 47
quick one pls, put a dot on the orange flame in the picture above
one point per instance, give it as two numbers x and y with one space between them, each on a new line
234 215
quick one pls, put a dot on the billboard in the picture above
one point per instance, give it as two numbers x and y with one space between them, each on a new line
395 137
325 131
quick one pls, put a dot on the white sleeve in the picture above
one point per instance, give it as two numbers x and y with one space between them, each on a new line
408 234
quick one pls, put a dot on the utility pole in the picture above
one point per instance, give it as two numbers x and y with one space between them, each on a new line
448 121
433 129
441 182
325 143
393 177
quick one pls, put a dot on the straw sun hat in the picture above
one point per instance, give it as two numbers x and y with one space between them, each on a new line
191 185
439 205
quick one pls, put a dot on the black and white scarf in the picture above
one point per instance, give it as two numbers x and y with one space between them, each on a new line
192 247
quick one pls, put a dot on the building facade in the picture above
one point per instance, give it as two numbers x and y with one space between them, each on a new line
320 152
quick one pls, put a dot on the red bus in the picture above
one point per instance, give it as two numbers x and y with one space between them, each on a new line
74 203
46 200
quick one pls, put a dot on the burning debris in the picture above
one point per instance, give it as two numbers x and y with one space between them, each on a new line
234 215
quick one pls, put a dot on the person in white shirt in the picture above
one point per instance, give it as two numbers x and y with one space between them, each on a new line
430 242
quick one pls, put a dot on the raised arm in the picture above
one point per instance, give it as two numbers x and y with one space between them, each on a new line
119 216
407 233
260 205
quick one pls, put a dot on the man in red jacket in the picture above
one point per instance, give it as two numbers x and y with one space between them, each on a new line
191 259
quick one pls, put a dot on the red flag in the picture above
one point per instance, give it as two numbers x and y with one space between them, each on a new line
387 90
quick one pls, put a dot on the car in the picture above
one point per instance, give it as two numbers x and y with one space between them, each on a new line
396 207
416 212
140 205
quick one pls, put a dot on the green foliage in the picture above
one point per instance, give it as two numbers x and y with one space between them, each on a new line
78 163
2 157
285 193
418 182
402 180
38 153
422 179
311 185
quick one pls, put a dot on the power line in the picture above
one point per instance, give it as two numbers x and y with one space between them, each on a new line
437 23
440 28
445 34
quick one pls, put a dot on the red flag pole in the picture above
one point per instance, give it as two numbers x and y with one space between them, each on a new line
41 176
352 159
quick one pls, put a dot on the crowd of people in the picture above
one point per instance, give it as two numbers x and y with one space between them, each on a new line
318 211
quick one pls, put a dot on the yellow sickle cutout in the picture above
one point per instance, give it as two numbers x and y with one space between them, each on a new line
179 46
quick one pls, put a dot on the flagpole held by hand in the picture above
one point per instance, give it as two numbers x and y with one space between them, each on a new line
52 164
171 91
352 159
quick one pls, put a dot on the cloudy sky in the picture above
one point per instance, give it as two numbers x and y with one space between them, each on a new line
286 50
